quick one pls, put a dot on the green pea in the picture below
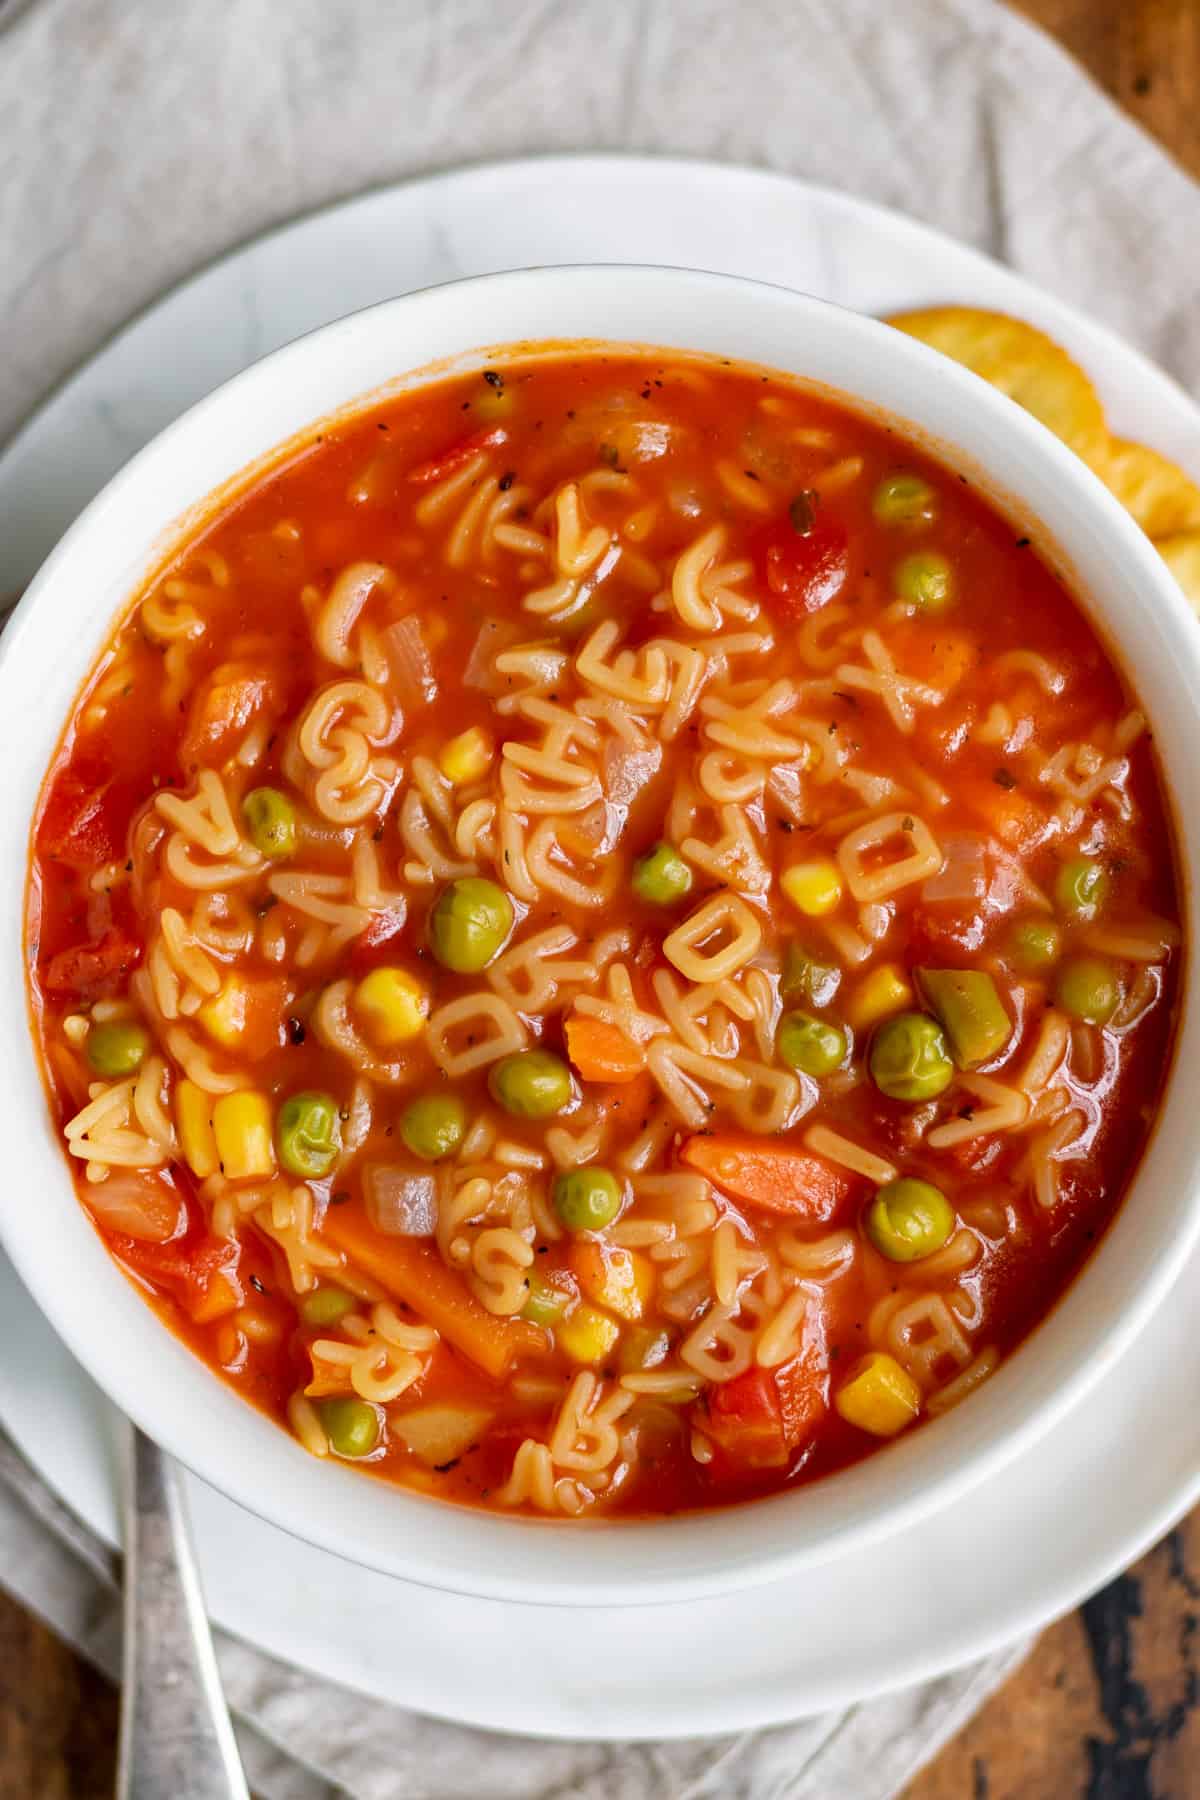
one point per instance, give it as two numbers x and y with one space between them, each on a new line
926 581
806 977
308 1132
326 1305
910 1059
661 876
1088 989
587 1199
813 1046
531 1084
644 1348
118 1047
909 1219
545 1304
904 499
1081 888
271 820
434 1126
469 924
352 1426
1035 944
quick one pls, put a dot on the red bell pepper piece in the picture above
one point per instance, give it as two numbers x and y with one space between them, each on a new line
455 455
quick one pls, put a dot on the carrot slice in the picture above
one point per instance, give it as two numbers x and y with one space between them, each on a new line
412 1271
601 1052
790 1182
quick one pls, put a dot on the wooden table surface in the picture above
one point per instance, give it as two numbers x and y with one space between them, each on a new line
1108 1705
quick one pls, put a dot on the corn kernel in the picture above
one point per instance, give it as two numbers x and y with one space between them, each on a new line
392 1005
588 1334
878 1395
241 1125
468 757
224 1016
884 991
619 1279
494 403
193 1117
814 887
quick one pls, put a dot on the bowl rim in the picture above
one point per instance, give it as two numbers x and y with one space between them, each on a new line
541 1561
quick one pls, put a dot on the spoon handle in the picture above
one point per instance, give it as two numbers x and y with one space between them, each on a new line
176 1738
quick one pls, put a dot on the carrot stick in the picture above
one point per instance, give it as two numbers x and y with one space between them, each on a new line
412 1271
600 1051
792 1183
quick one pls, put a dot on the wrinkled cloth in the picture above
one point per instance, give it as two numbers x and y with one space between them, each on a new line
138 142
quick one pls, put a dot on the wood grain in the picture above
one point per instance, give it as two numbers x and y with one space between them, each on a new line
1108 1705
58 1718
1145 53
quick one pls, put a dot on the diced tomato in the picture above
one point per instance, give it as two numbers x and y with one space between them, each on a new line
79 826
745 1420
455 455
804 569
930 653
226 704
377 940
1009 813
975 1154
802 1384
940 931
201 1275
758 1419
88 968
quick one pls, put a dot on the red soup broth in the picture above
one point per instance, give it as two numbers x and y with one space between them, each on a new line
604 937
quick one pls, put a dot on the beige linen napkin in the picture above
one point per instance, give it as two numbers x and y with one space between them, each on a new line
139 141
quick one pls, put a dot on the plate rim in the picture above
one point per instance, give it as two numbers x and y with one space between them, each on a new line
1099 1566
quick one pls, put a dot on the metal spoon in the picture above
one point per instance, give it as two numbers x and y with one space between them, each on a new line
176 1738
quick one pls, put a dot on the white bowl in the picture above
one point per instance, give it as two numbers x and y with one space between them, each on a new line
66 617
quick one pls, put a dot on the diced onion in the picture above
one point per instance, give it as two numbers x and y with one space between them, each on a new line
409 661
138 1205
963 875
644 441
626 770
495 635
785 784
685 500
401 1203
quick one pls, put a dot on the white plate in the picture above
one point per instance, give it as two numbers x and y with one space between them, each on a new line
1026 1544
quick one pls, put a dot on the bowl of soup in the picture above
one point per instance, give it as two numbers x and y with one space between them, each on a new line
596 949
